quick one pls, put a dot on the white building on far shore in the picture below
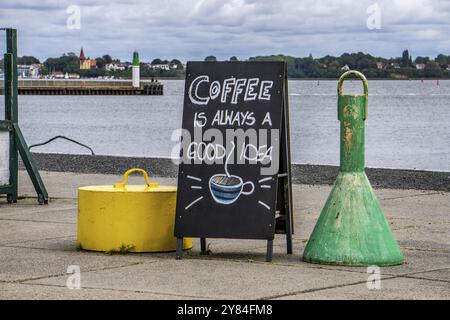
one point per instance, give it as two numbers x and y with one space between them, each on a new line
115 67
160 66
420 66
29 71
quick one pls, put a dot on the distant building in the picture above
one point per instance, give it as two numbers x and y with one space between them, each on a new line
420 66
86 63
71 76
345 68
160 66
57 75
165 66
115 67
448 67
23 71
35 70
380 65
29 71
395 65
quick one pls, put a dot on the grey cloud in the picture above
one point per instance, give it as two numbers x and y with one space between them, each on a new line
192 29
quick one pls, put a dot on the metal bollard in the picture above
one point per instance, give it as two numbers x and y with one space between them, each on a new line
352 229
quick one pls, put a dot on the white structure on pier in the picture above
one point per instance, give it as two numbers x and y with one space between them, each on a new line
136 71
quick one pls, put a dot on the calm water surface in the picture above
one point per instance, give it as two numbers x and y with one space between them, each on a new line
408 124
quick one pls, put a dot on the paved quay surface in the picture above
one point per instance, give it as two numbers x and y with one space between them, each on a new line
38 243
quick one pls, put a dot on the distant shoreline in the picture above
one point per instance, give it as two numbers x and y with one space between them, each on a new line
182 79
333 79
301 173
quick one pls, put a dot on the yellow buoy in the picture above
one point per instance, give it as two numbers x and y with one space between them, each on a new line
135 218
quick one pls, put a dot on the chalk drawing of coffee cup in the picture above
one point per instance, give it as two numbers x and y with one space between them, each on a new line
226 189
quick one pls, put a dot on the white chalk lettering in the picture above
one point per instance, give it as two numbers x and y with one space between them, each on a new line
193 91
231 90
233 118
250 92
264 91
240 83
205 151
227 88
200 119
267 119
260 154
214 90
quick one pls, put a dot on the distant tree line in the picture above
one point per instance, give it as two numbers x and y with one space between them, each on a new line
27 60
403 67
373 67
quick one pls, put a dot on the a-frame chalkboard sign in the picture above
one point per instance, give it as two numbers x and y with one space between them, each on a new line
234 176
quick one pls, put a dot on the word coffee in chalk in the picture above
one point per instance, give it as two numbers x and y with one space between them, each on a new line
230 90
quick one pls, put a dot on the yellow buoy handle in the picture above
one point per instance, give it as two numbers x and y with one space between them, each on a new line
124 182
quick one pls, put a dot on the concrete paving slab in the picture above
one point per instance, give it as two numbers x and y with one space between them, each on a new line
240 252
221 249
426 206
51 214
391 194
417 261
441 275
30 205
20 291
70 244
21 231
398 288
58 244
310 197
212 279
223 246
19 264
420 235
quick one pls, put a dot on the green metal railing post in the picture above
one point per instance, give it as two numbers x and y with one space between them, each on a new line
16 141
11 109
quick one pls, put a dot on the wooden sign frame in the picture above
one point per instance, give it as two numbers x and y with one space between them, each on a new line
282 223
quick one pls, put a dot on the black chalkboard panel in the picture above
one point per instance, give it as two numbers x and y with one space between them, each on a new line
230 150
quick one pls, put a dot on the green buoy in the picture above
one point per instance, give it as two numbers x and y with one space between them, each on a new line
352 229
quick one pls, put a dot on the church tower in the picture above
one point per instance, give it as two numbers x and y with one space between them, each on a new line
85 64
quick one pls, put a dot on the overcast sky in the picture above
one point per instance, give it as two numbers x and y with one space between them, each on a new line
193 29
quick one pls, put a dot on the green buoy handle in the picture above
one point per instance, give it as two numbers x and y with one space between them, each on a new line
359 75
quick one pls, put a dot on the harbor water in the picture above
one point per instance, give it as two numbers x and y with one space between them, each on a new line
408 125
